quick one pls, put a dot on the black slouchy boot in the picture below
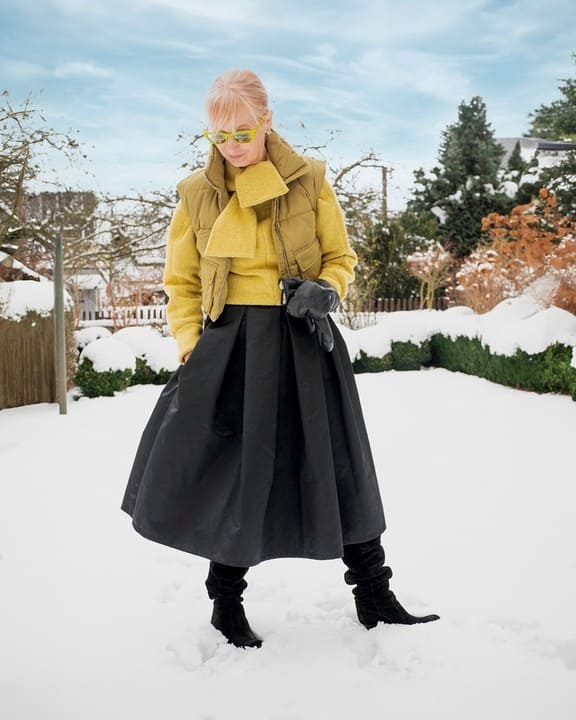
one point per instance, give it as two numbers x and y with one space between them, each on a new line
225 585
375 602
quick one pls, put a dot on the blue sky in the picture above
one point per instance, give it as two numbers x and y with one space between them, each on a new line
131 75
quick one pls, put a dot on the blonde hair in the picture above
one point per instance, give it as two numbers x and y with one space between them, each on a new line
232 90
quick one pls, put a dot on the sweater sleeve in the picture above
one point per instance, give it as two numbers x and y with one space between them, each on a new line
338 258
182 283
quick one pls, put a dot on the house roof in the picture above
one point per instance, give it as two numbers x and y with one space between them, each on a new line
530 147
8 261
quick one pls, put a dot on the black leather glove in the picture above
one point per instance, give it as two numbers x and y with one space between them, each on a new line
312 301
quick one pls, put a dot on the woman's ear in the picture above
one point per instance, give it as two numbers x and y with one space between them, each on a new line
268 120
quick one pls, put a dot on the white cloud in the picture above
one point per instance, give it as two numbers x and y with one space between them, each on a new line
509 27
437 76
324 56
224 11
21 69
186 48
392 23
76 68
73 68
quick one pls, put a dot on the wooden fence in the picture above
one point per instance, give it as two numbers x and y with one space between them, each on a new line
398 304
27 361
156 314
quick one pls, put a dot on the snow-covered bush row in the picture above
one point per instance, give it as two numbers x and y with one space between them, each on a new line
520 343
132 356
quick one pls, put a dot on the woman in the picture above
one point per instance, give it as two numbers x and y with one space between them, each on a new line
257 448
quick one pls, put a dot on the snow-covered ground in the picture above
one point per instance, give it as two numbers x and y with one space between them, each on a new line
479 490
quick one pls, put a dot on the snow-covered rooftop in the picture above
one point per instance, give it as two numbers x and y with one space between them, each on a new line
20 297
11 262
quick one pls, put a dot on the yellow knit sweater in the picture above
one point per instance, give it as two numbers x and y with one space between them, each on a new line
254 276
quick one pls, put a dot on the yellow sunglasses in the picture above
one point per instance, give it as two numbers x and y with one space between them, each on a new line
242 137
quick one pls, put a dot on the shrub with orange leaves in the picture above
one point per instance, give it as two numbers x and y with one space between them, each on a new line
534 240
487 277
562 265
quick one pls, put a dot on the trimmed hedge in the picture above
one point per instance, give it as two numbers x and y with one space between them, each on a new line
548 371
402 356
409 356
95 384
369 363
144 375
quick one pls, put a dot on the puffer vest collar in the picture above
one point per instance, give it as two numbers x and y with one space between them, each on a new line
289 164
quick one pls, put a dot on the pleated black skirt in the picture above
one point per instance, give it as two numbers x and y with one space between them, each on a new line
257 447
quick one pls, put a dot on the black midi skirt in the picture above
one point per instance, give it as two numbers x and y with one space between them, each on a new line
257 447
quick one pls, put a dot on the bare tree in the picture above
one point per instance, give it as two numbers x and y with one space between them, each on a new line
26 141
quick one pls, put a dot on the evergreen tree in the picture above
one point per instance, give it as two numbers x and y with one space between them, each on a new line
557 121
515 161
465 186
382 254
561 180
468 149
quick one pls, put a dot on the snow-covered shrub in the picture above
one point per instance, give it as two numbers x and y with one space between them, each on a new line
431 266
522 342
87 335
106 366
156 356
139 338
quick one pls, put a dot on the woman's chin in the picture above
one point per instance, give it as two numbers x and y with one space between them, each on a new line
237 162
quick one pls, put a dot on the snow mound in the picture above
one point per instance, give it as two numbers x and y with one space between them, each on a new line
139 338
159 352
109 354
89 334
163 355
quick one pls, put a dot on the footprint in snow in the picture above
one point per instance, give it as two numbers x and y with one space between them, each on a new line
193 650
531 635
566 652
12 445
169 592
332 604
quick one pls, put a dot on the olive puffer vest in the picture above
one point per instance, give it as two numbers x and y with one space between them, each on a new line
204 196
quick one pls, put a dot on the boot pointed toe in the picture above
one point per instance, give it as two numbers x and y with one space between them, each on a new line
383 606
231 621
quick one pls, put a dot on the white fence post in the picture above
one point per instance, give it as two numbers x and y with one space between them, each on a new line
140 314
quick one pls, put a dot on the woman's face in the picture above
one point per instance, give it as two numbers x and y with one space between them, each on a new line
243 154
